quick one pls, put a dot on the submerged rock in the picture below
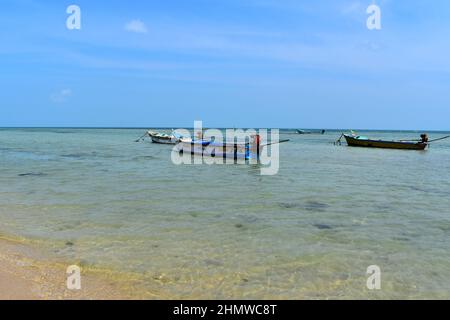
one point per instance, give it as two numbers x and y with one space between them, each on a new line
161 277
80 155
315 206
287 205
32 174
322 226
401 239
212 262
144 158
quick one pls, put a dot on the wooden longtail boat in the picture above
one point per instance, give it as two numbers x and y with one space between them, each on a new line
226 150
361 141
164 138
216 149
310 132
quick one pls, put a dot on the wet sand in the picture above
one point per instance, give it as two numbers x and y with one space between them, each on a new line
27 274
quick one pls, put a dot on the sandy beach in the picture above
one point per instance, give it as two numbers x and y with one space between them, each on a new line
26 274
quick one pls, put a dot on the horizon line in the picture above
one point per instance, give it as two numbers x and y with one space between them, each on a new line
221 128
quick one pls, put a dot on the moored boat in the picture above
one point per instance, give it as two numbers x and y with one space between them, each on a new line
163 138
226 150
362 141
217 149
310 132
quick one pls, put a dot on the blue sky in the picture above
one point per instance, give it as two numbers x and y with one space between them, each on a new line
243 63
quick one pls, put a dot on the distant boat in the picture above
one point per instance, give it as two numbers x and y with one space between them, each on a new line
163 138
362 141
310 132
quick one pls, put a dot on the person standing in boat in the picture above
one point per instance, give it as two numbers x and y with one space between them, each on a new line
423 138
199 135
255 146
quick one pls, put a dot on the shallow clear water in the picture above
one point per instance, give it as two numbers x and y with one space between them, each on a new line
95 197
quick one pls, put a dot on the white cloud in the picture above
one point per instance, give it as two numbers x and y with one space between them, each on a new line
136 26
61 96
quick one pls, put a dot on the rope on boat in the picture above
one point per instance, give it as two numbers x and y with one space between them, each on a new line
268 144
338 141
439 139
141 137
419 140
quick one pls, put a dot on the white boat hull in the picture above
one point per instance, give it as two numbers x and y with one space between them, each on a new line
229 151
164 140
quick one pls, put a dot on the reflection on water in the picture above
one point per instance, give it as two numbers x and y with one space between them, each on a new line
224 231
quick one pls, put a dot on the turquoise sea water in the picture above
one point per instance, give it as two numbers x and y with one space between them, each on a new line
95 197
